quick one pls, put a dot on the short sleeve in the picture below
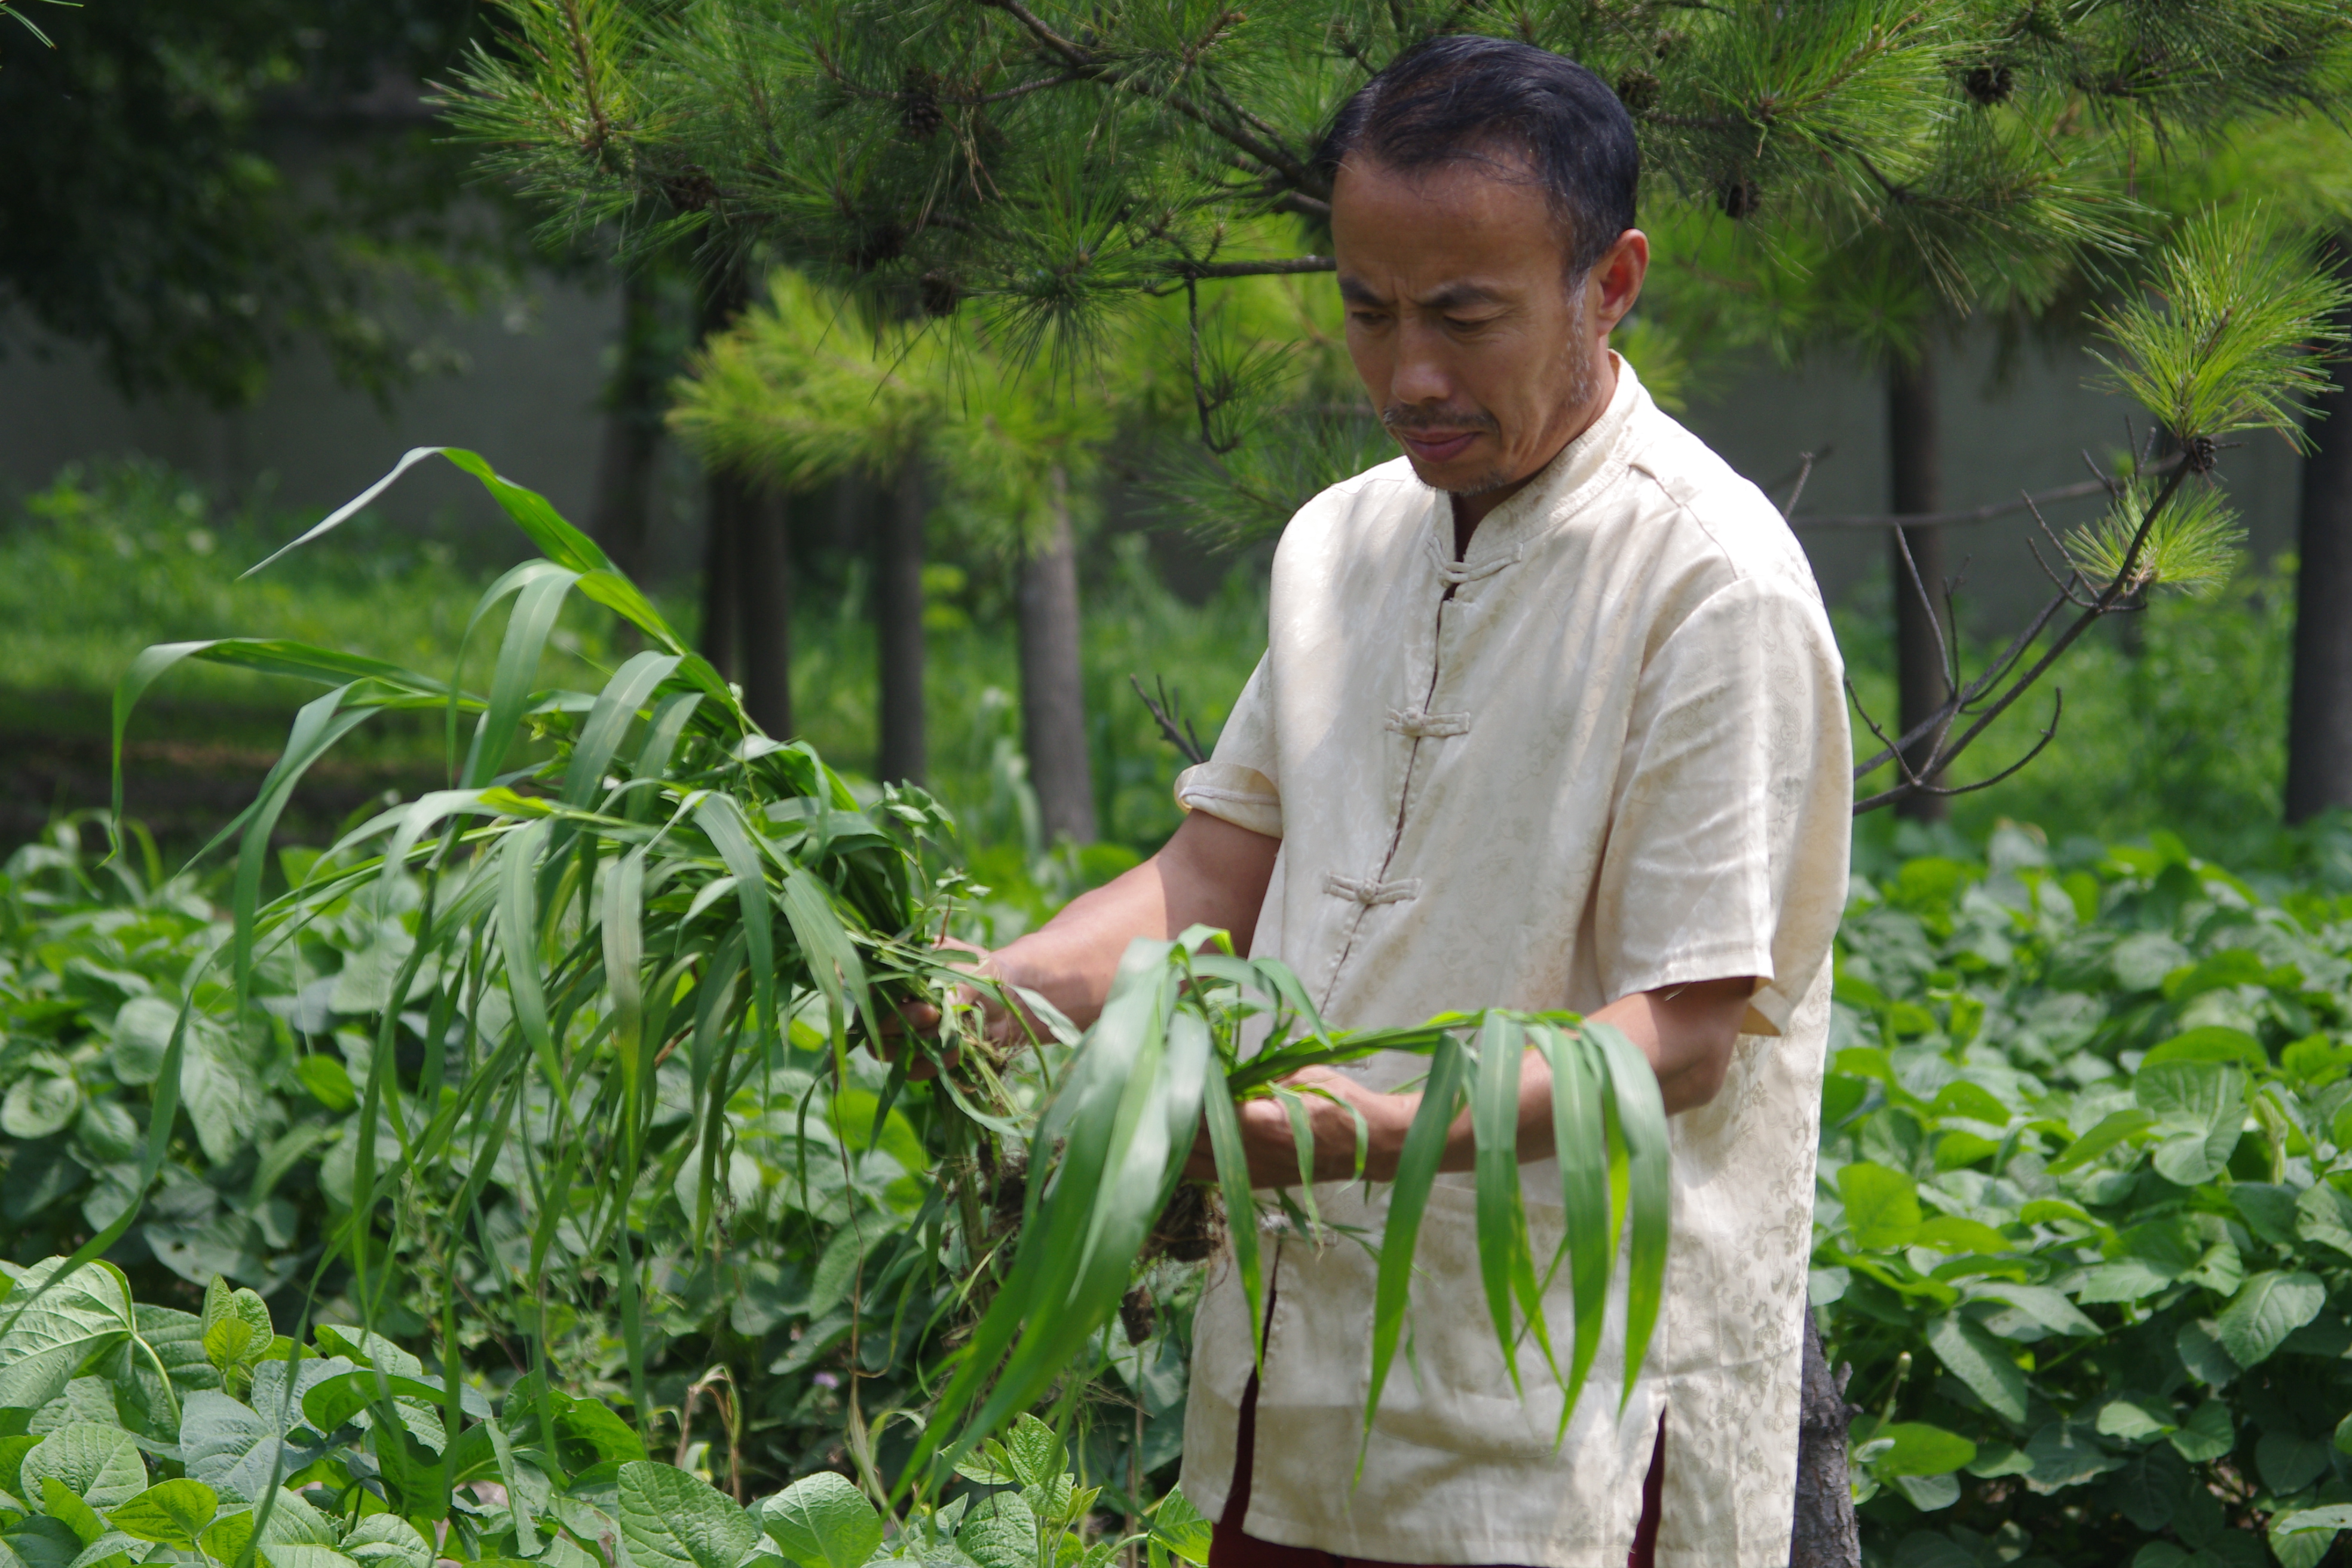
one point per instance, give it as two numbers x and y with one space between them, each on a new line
1726 852
1237 784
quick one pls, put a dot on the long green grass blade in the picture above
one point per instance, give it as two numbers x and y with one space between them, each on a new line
1416 1174
1502 1219
1579 1143
1634 1089
1240 1211
608 723
536 608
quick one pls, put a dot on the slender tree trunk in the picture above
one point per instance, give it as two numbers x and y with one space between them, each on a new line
2319 710
633 428
1053 680
898 617
764 611
1824 1532
727 498
1921 625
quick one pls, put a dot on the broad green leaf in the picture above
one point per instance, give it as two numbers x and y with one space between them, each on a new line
2290 1462
2328 1519
2135 1419
226 1539
174 1513
1981 1362
672 1520
2044 1305
388 1541
2323 1214
2199 1346
227 1445
999 1532
824 1521
1035 1452
1180 1527
100 1464
43 1542
2113 1129
38 1104
58 1500
2200 1105
1950 1233
1921 1449
2065 1454
48 1335
293 1554
1881 1206
2267 1307
2208 1434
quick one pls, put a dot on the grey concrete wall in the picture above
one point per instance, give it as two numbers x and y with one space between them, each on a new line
2005 427
527 400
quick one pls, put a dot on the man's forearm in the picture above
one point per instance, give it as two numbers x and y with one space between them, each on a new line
1210 873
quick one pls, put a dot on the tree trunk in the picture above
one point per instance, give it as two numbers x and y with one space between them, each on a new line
898 617
1921 625
633 429
763 609
728 499
1824 1533
1053 680
2319 710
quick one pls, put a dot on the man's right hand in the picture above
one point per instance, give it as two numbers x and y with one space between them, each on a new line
1209 873
1003 1026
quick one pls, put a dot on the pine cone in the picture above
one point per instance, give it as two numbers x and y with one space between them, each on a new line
919 103
1638 91
1738 197
691 189
940 294
1987 84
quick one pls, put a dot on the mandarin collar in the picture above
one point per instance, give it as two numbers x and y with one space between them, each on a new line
1559 489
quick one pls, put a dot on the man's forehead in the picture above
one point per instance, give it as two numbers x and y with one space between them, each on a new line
1439 294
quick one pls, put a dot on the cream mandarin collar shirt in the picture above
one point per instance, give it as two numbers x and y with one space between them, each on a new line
1605 752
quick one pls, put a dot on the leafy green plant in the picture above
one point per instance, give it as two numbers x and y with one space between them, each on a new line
2085 1223
140 1434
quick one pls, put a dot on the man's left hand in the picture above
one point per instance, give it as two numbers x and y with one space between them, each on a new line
1686 1032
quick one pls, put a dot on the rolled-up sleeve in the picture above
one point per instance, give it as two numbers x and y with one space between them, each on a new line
1727 849
1237 784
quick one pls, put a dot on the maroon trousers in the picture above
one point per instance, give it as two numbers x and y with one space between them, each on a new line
1230 1548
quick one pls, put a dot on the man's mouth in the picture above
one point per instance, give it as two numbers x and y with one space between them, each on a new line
1437 446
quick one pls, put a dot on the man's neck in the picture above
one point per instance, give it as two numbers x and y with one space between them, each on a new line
1469 512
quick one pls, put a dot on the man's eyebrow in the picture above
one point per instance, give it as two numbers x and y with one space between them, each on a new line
1455 295
1355 292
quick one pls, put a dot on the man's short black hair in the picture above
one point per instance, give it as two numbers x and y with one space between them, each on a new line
1460 95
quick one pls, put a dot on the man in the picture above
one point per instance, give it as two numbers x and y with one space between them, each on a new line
1551 717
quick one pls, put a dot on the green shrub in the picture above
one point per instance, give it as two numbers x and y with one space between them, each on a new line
132 1433
2084 1230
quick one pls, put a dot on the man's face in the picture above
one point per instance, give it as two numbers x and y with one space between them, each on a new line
1482 356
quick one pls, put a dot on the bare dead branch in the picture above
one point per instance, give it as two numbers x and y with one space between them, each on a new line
2049 732
1187 740
2110 600
1973 515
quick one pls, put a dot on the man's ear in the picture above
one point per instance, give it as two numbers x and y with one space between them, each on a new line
1614 284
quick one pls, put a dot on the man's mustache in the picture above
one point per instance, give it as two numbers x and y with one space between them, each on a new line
1415 417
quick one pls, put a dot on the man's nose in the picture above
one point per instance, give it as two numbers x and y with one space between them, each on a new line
1422 375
